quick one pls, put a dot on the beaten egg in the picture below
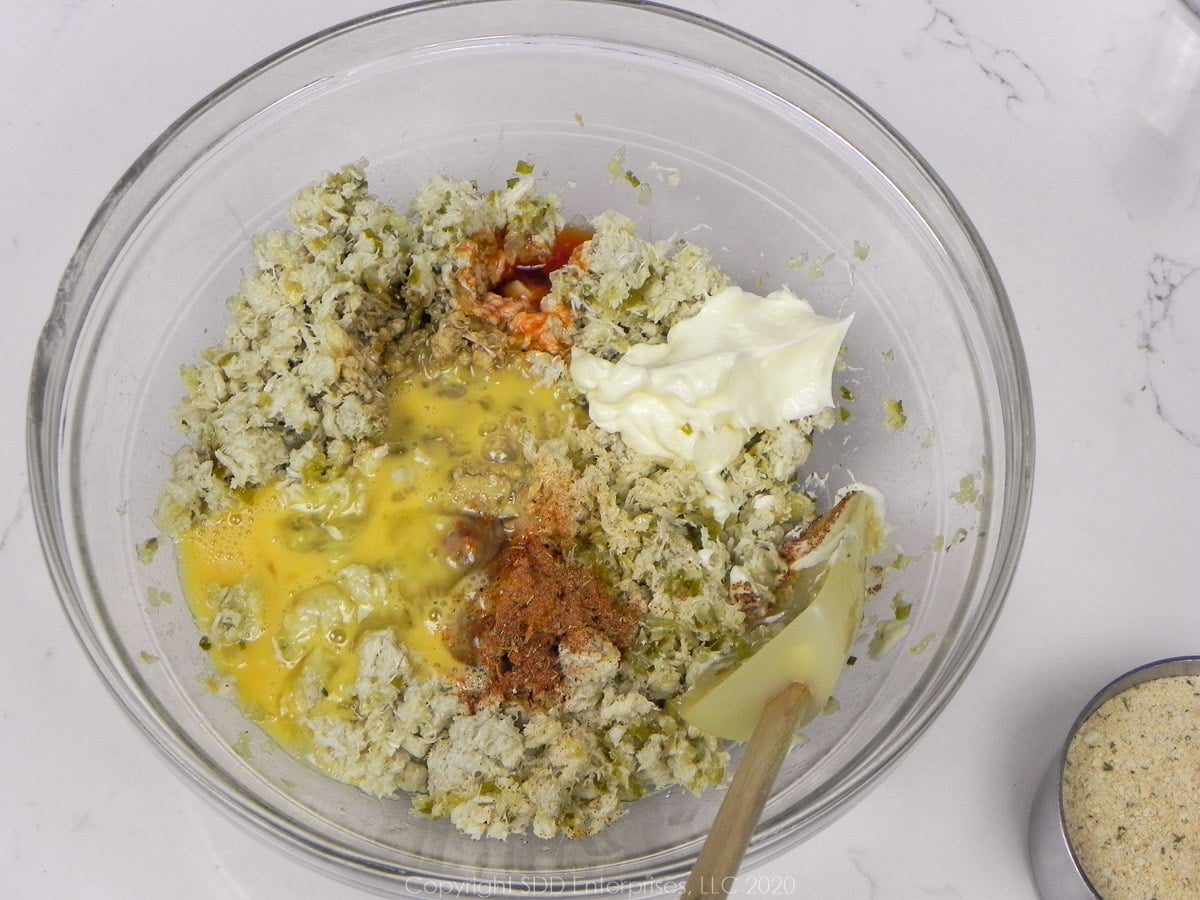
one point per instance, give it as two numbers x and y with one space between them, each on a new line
390 542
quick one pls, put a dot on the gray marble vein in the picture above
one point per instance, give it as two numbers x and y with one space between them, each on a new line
882 888
1170 312
15 520
1016 79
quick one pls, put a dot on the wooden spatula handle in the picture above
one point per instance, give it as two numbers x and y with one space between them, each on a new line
722 852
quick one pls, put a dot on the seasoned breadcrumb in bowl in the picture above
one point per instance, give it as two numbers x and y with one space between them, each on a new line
447 199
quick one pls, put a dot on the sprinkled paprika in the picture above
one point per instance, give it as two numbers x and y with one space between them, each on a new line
536 602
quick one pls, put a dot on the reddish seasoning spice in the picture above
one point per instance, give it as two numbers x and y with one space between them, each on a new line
535 277
537 601
512 297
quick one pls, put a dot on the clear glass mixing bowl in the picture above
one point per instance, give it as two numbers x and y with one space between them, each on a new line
739 147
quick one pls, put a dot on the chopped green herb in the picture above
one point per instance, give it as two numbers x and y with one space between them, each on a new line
922 645
886 635
817 270
157 597
967 492
893 415
242 745
146 550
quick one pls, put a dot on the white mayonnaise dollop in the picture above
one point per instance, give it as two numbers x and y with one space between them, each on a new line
741 362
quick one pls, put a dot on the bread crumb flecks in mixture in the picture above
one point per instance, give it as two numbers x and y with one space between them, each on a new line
1131 792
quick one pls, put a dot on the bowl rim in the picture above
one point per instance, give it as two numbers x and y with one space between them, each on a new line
63 329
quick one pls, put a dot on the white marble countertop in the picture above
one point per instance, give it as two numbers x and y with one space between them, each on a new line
1070 132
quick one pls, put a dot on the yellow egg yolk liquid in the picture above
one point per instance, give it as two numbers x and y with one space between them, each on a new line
394 517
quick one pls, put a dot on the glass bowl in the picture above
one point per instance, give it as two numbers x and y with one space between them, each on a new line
745 150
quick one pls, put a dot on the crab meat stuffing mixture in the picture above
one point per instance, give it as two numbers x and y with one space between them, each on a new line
472 495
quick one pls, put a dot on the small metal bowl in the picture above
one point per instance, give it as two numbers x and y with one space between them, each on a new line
1057 871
